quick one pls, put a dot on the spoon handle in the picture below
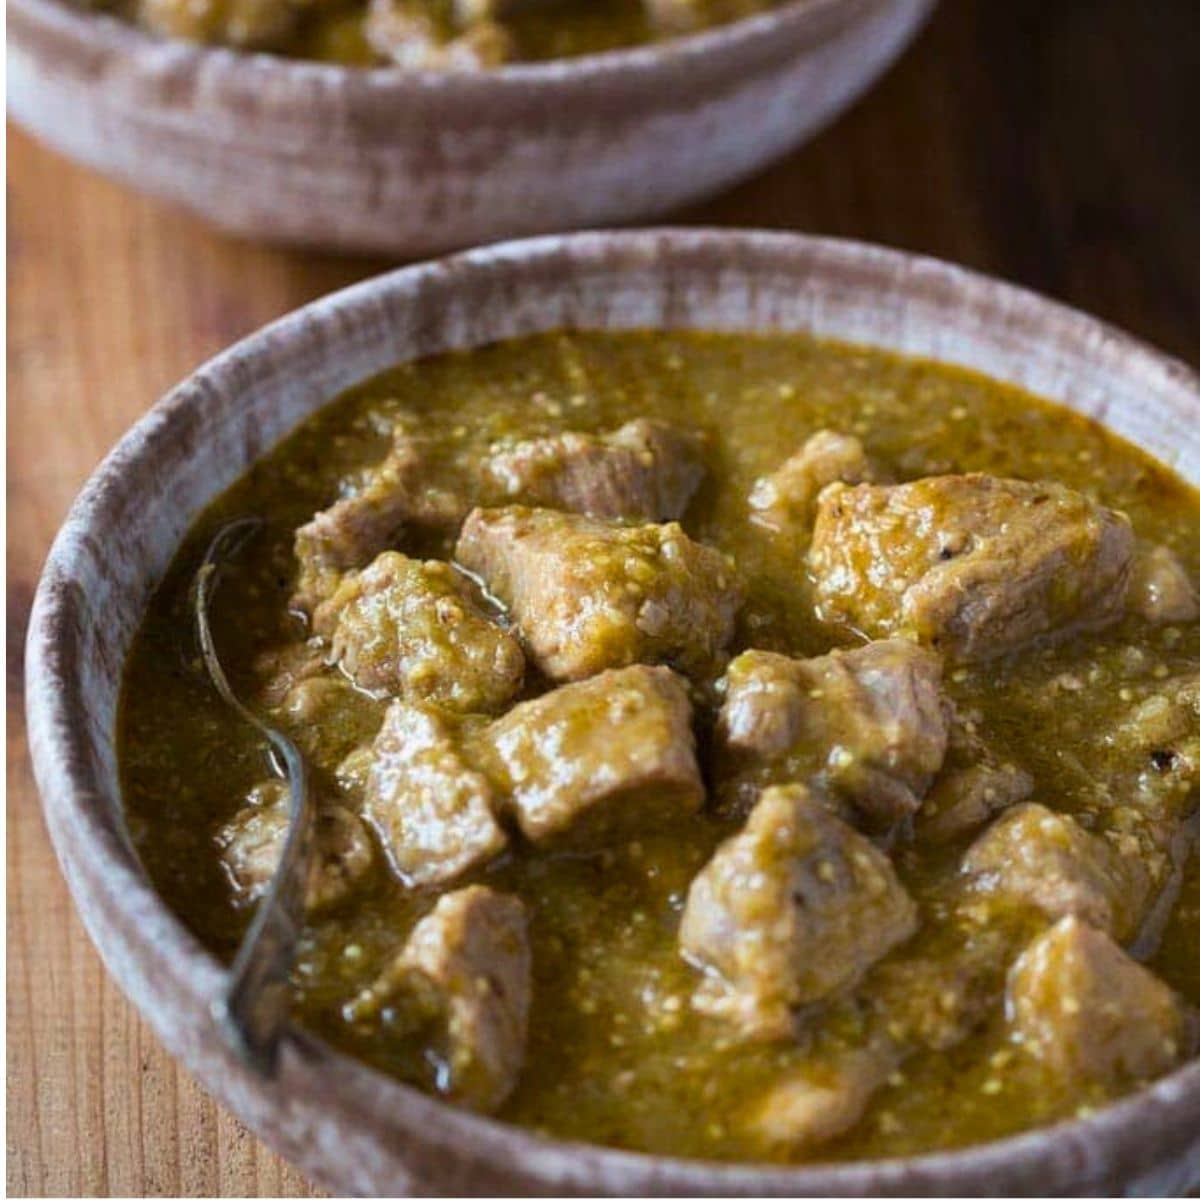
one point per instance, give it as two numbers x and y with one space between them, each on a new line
252 1008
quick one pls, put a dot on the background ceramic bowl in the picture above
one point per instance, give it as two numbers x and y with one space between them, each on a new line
410 163
349 1127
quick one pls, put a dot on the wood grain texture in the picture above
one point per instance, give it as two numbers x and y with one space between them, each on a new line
1052 144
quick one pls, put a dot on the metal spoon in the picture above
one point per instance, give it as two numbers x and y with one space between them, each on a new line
253 1007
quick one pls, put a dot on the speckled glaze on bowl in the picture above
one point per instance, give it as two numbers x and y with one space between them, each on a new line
353 1129
410 163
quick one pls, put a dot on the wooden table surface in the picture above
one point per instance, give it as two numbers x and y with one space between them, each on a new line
1053 143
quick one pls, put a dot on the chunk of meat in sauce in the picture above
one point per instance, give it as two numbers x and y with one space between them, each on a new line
815 1106
396 494
1087 1010
246 24
963 799
970 564
1164 731
644 471
793 908
251 844
674 17
1047 860
472 952
434 815
279 671
595 762
869 723
784 499
327 716
972 787
588 594
418 630
1160 589
408 37
927 997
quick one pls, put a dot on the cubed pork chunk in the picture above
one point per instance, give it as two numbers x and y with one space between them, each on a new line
434 815
408 36
793 908
244 24
418 630
471 957
588 594
964 798
597 762
1033 856
784 499
327 716
644 471
278 670
869 723
1160 589
814 1106
471 12
251 845
395 495
973 786
972 565
1164 730
1092 1014
924 998
673 17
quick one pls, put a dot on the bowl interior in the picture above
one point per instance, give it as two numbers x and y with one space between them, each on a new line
128 522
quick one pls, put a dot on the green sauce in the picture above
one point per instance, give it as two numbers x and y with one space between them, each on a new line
616 1054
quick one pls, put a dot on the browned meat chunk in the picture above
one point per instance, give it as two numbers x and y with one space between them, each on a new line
1047 860
410 37
869 723
588 594
417 630
472 953
784 499
469 12
595 762
278 671
433 814
973 785
644 471
327 716
1160 589
972 565
818 1105
795 907
1161 737
672 17
1165 728
252 842
929 996
349 534
1081 1005
246 24
964 798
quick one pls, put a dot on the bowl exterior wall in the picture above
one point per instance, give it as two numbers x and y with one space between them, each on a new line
408 165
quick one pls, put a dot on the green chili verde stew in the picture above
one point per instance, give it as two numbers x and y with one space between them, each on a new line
728 746
454 35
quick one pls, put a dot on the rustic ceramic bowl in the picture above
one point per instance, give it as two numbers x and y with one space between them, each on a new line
409 163
353 1129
